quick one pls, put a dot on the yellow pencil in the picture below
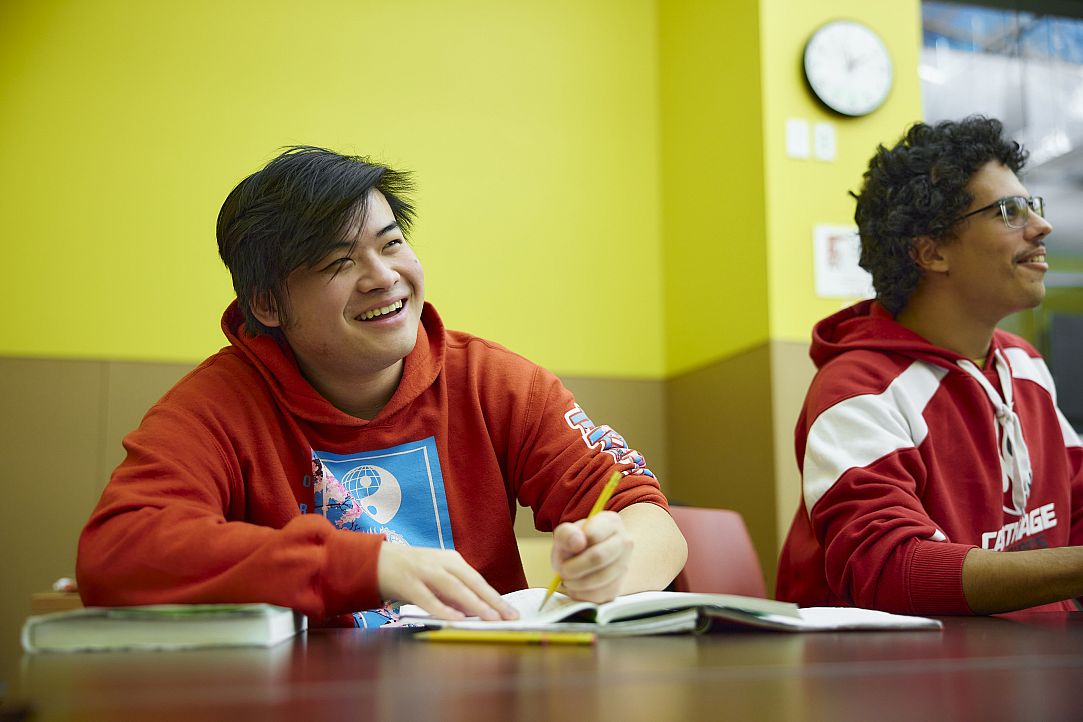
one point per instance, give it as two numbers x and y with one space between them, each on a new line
607 491
506 636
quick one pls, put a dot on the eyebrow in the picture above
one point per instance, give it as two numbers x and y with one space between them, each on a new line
344 244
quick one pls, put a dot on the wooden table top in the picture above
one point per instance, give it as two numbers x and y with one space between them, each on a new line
1026 668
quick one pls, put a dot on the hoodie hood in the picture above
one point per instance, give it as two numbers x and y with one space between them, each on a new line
273 358
869 326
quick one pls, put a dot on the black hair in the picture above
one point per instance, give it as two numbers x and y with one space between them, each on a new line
290 214
918 188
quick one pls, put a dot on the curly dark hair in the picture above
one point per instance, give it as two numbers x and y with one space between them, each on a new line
292 212
918 188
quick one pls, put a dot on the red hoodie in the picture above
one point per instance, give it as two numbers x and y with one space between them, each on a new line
215 501
911 455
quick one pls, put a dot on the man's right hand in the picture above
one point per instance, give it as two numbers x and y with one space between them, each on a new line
439 581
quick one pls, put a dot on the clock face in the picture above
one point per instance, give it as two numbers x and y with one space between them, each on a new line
848 67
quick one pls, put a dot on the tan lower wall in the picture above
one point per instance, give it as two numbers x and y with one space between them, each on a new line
791 373
60 435
730 439
719 436
721 443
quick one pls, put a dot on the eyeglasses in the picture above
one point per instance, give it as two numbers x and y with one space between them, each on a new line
1015 210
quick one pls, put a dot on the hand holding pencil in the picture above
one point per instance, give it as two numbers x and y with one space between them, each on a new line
596 576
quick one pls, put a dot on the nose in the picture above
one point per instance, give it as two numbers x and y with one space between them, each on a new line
1038 227
376 274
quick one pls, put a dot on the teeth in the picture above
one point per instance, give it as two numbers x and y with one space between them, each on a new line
369 315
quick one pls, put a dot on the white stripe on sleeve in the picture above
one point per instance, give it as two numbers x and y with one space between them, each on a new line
858 431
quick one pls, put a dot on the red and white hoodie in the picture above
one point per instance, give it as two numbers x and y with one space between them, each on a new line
911 455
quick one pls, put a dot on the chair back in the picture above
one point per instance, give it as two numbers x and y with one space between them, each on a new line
721 557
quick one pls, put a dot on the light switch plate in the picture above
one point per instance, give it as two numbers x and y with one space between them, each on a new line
823 141
797 144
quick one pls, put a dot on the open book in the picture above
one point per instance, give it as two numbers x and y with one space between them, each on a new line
671 612
161 627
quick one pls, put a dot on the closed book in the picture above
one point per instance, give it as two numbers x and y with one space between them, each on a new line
161 627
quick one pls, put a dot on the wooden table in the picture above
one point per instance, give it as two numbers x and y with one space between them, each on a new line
1027 668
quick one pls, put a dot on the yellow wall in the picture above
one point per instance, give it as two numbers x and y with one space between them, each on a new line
737 212
803 193
713 232
532 128
603 185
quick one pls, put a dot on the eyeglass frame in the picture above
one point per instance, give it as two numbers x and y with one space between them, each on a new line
1028 203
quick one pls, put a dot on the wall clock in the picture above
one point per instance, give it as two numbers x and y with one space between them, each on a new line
848 67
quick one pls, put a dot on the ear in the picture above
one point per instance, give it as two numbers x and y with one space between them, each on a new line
265 310
927 253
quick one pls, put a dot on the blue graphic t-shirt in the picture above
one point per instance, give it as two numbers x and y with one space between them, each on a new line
397 492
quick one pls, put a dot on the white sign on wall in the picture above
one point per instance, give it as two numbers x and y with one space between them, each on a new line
835 252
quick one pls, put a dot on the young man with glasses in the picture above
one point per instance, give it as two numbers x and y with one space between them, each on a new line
930 442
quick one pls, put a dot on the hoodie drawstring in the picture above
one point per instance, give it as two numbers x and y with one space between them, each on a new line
1014 456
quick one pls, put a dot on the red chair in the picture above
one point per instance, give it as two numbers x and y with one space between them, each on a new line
721 558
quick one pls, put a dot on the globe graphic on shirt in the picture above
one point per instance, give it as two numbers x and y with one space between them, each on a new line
376 489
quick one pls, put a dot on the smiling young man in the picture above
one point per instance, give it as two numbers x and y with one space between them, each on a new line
346 450
938 475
